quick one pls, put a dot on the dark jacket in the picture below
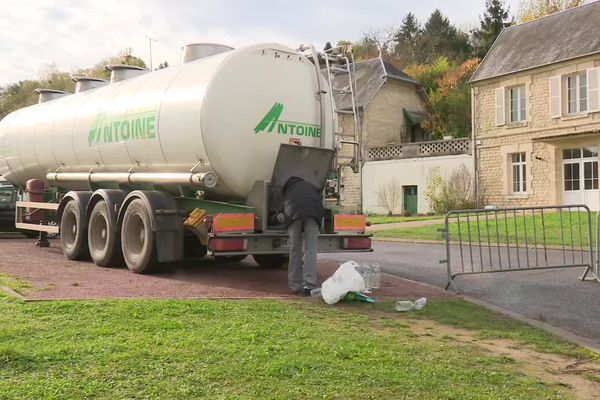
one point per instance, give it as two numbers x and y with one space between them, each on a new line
301 200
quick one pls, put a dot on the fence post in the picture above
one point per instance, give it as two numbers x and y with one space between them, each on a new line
445 233
594 266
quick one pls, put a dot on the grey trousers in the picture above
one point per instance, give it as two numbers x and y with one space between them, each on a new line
302 271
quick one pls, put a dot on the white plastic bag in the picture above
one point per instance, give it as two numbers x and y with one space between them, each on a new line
345 279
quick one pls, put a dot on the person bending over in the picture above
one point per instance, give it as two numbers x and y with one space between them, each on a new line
303 209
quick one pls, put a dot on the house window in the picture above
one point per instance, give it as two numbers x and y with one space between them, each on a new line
517 104
575 162
577 93
519 173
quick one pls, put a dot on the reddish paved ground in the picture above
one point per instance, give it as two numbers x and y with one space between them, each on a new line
54 277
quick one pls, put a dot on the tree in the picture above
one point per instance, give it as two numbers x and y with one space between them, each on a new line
408 41
448 89
491 24
124 56
17 95
21 94
382 38
388 196
440 38
364 49
163 65
454 191
534 9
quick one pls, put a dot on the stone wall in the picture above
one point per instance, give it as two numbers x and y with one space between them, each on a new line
541 137
384 122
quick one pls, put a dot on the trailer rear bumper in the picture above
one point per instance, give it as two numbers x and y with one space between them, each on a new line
277 243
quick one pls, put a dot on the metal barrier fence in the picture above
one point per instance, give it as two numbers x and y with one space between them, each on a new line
519 239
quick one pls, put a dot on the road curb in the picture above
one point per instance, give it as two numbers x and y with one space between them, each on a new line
562 333
483 245
401 240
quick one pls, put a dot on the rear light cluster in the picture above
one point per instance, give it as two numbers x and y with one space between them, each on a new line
231 223
228 244
356 243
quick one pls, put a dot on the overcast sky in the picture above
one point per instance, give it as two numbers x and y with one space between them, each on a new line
79 33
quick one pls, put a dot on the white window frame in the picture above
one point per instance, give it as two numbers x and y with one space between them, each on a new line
521 166
581 160
520 103
580 91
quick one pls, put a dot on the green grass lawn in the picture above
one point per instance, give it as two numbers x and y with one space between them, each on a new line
176 349
511 229
386 219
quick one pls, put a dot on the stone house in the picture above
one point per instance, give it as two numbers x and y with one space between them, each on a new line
536 112
390 106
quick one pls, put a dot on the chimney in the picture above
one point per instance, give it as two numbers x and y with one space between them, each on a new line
195 51
49 94
119 72
86 83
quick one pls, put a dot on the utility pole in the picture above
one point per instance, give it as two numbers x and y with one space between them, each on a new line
150 40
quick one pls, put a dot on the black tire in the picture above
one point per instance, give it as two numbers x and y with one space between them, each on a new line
230 259
271 261
137 239
73 233
103 239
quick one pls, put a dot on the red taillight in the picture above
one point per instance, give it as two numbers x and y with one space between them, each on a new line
230 223
356 243
227 244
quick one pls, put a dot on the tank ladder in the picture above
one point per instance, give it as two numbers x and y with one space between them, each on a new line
331 63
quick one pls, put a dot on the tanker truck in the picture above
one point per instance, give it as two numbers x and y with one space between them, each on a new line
151 167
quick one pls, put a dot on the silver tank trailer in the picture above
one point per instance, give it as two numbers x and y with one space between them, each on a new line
214 122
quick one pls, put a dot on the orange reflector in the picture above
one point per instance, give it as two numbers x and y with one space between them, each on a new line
349 222
233 223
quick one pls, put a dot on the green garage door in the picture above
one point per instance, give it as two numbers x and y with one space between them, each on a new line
410 199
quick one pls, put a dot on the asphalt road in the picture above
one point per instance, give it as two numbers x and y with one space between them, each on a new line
554 296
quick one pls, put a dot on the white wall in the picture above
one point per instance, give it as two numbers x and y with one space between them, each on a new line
407 172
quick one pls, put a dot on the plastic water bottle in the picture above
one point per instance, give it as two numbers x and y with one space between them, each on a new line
404 305
316 292
376 276
368 278
420 303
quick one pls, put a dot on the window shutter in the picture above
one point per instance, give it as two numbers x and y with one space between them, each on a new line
593 82
500 113
555 96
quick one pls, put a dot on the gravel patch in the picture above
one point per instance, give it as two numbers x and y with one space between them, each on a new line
54 277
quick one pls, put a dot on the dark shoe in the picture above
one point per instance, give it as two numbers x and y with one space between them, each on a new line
305 292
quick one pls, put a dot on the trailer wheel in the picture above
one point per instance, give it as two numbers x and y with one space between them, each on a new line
103 241
73 237
137 238
271 261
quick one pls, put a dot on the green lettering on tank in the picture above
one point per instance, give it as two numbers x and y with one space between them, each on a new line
135 125
151 126
272 120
